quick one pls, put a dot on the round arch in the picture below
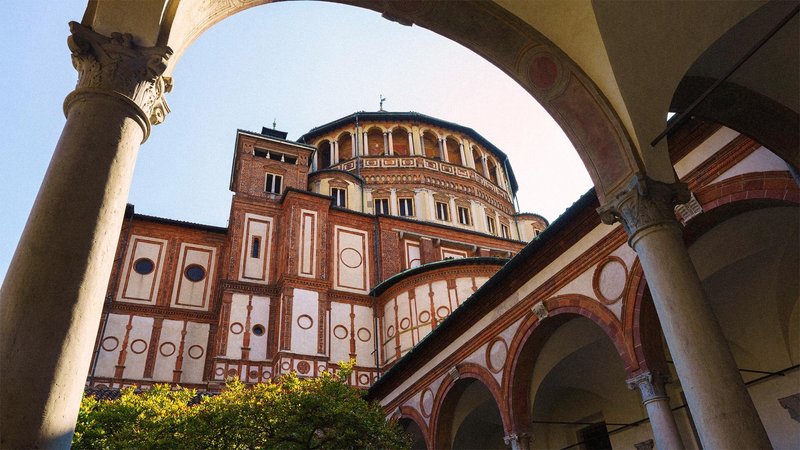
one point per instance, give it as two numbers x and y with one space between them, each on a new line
533 334
413 416
449 393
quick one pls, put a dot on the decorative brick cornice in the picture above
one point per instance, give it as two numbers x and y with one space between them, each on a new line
115 66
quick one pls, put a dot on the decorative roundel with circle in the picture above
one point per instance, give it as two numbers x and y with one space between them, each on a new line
167 349
351 258
286 365
143 266
363 379
390 331
405 323
219 371
233 373
138 346
253 374
609 280
496 353
340 332
426 402
364 335
194 273
236 328
303 367
258 329
266 374
196 352
110 344
305 321
424 317
442 311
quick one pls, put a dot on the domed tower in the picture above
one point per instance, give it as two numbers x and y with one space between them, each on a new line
416 166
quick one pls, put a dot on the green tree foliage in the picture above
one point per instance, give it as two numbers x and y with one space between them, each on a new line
292 413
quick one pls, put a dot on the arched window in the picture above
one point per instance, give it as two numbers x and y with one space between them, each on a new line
477 156
375 142
454 152
345 146
431 144
492 171
400 141
324 155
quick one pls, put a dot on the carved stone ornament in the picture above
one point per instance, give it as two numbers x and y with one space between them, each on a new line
644 203
540 310
690 209
119 67
650 385
453 372
517 441
645 445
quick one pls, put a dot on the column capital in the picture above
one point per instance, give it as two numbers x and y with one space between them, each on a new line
116 66
643 204
650 385
517 441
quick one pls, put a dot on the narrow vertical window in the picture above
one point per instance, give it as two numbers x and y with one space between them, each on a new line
406 207
490 225
504 231
463 216
272 184
442 211
381 206
255 248
339 197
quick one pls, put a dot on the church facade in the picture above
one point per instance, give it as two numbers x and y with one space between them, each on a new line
353 242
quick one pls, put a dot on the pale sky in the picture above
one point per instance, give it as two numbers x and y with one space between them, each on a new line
302 64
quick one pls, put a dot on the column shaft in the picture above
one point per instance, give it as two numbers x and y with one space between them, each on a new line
723 411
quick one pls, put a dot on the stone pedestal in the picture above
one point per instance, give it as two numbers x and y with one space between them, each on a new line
52 296
722 409
656 401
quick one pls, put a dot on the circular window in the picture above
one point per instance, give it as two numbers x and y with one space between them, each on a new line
143 266
195 273
258 330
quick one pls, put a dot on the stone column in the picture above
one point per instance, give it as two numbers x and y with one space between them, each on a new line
518 441
52 296
365 144
656 401
393 202
353 139
391 143
442 149
722 409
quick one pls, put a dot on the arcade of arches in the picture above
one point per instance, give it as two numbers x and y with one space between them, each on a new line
539 356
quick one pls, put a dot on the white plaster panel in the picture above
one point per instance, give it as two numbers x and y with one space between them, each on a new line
308 244
389 329
169 344
406 309
111 345
305 322
191 294
194 352
705 150
259 316
453 253
582 284
413 258
252 269
761 160
364 334
138 343
236 323
138 288
464 289
441 302
351 253
339 333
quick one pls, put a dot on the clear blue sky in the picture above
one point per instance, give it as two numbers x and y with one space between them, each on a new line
300 63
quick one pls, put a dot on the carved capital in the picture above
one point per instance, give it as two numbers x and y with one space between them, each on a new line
650 385
118 67
643 204
540 310
517 441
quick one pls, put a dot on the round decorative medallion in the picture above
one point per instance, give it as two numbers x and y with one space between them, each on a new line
496 353
305 321
219 371
167 349
340 331
424 317
286 365
426 402
258 330
232 373
442 311
364 335
351 258
236 328
390 331
405 323
303 367
196 352
266 374
363 379
253 374
138 346
543 71
110 344
609 280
